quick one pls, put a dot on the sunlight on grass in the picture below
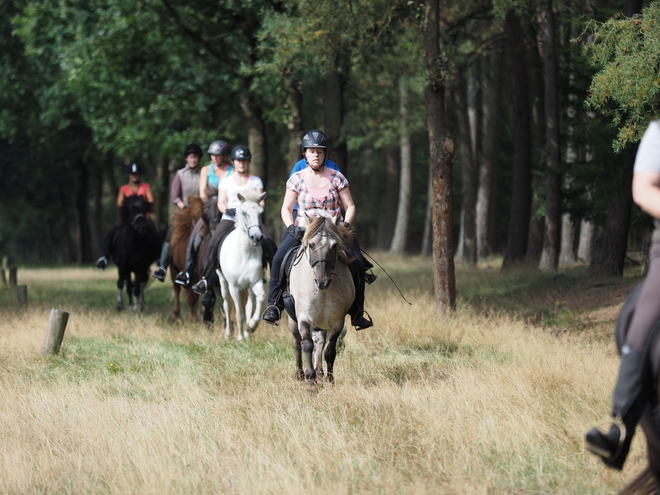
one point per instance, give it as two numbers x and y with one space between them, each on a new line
492 399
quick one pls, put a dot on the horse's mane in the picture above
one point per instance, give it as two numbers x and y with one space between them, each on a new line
342 235
125 208
184 220
210 214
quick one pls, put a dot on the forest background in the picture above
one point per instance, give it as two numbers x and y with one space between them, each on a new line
544 102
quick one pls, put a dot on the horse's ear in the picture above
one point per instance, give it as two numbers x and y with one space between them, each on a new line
262 196
240 196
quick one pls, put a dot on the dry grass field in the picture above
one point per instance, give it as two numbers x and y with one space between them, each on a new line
494 399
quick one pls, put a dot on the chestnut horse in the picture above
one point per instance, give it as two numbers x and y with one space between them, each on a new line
183 223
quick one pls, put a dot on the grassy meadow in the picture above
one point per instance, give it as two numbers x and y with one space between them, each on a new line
493 399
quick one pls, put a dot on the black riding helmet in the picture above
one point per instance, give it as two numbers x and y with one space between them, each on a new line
314 139
218 147
241 152
134 168
192 148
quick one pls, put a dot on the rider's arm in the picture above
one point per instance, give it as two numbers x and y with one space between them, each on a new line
222 200
176 192
646 192
203 178
120 198
348 204
287 207
149 195
262 203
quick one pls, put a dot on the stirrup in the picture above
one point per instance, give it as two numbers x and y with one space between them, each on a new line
183 278
160 273
370 278
201 287
101 263
272 322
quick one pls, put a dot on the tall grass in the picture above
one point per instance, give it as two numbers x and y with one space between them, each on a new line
490 400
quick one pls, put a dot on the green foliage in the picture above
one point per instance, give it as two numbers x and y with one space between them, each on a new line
627 85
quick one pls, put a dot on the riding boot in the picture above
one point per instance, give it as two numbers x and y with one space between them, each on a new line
273 311
627 408
357 311
184 277
161 272
101 263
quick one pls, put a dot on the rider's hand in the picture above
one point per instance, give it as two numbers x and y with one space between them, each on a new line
296 232
346 225
231 212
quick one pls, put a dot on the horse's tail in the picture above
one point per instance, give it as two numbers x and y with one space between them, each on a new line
644 484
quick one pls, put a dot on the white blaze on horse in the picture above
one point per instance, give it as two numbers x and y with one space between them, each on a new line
240 267
323 290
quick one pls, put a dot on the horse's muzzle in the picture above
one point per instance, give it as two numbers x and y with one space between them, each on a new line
323 285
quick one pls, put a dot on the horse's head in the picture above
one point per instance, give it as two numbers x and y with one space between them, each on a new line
210 213
248 216
134 212
325 242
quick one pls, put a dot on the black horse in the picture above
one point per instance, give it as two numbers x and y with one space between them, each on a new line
135 246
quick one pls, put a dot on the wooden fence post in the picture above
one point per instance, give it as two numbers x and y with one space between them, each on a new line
55 335
21 296
12 276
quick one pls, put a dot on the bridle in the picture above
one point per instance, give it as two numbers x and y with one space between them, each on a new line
332 263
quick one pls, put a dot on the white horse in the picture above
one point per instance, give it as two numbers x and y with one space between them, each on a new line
240 267
322 287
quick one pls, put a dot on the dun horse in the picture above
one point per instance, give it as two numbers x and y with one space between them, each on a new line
134 247
241 267
322 287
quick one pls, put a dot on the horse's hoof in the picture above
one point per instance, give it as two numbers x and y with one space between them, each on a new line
209 326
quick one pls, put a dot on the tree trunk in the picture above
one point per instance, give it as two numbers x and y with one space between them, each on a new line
485 196
333 109
427 237
441 154
611 255
256 134
552 231
162 198
82 213
295 124
568 235
388 200
405 178
585 246
467 246
521 199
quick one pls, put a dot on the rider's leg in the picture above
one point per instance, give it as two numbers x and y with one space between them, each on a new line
275 305
184 277
161 272
363 262
360 319
629 399
103 261
208 278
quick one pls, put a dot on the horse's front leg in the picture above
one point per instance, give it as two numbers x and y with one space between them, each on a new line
308 348
120 292
176 311
318 336
129 289
226 301
208 303
241 330
297 349
331 350
259 297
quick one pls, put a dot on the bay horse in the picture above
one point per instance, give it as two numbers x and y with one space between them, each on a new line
648 481
134 247
240 267
322 287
